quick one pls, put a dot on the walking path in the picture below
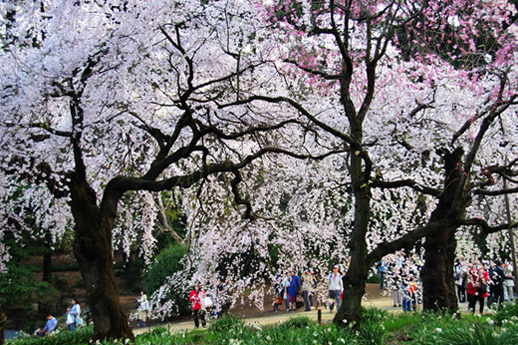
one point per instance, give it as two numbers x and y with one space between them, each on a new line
270 317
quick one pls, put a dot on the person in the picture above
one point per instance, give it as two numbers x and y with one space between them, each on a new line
40 332
51 324
277 293
477 288
394 282
497 281
336 286
509 281
143 308
460 281
197 313
307 288
293 290
382 269
285 295
409 288
74 315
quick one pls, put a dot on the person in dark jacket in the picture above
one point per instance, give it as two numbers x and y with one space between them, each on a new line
293 290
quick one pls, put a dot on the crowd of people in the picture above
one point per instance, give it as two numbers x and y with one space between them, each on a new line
486 282
482 282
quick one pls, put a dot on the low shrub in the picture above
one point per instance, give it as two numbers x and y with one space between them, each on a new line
508 313
167 263
451 330
227 323
60 337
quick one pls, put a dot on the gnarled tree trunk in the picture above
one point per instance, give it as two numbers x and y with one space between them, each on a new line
93 251
3 319
356 277
437 273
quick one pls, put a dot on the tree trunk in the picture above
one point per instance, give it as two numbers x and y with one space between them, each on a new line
3 319
93 251
47 259
356 277
437 272
354 289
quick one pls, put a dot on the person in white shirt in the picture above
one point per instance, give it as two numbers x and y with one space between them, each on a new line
336 286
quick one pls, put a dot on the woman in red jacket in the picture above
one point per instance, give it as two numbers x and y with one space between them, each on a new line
477 287
195 297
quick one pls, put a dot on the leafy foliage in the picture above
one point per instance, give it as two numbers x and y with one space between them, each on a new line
167 263
509 312
435 329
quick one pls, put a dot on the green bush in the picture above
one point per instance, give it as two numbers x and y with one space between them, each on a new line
373 315
226 323
509 312
60 337
374 279
168 262
446 330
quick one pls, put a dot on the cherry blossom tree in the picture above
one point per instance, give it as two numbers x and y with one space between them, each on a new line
103 98
392 81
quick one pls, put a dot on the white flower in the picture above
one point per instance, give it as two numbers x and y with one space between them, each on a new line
490 321
438 330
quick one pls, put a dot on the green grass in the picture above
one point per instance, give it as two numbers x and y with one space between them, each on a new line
377 328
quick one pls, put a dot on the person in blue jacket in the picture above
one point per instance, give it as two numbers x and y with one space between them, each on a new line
293 290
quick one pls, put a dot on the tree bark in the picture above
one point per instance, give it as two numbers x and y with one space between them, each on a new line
47 259
3 319
93 251
356 277
437 273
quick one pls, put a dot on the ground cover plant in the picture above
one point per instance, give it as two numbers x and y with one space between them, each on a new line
377 328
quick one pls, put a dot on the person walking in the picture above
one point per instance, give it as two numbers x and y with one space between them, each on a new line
293 290
285 287
497 280
477 287
74 315
382 270
307 289
197 313
143 308
460 279
509 281
336 286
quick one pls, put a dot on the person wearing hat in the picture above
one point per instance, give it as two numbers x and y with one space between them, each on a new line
307 288
336 286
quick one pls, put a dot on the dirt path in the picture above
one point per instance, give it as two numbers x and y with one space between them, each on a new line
375 298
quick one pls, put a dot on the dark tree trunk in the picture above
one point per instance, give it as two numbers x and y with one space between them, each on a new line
356 277
93 251
437 272
47 259
3 319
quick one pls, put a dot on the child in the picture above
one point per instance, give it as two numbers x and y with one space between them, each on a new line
277 301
